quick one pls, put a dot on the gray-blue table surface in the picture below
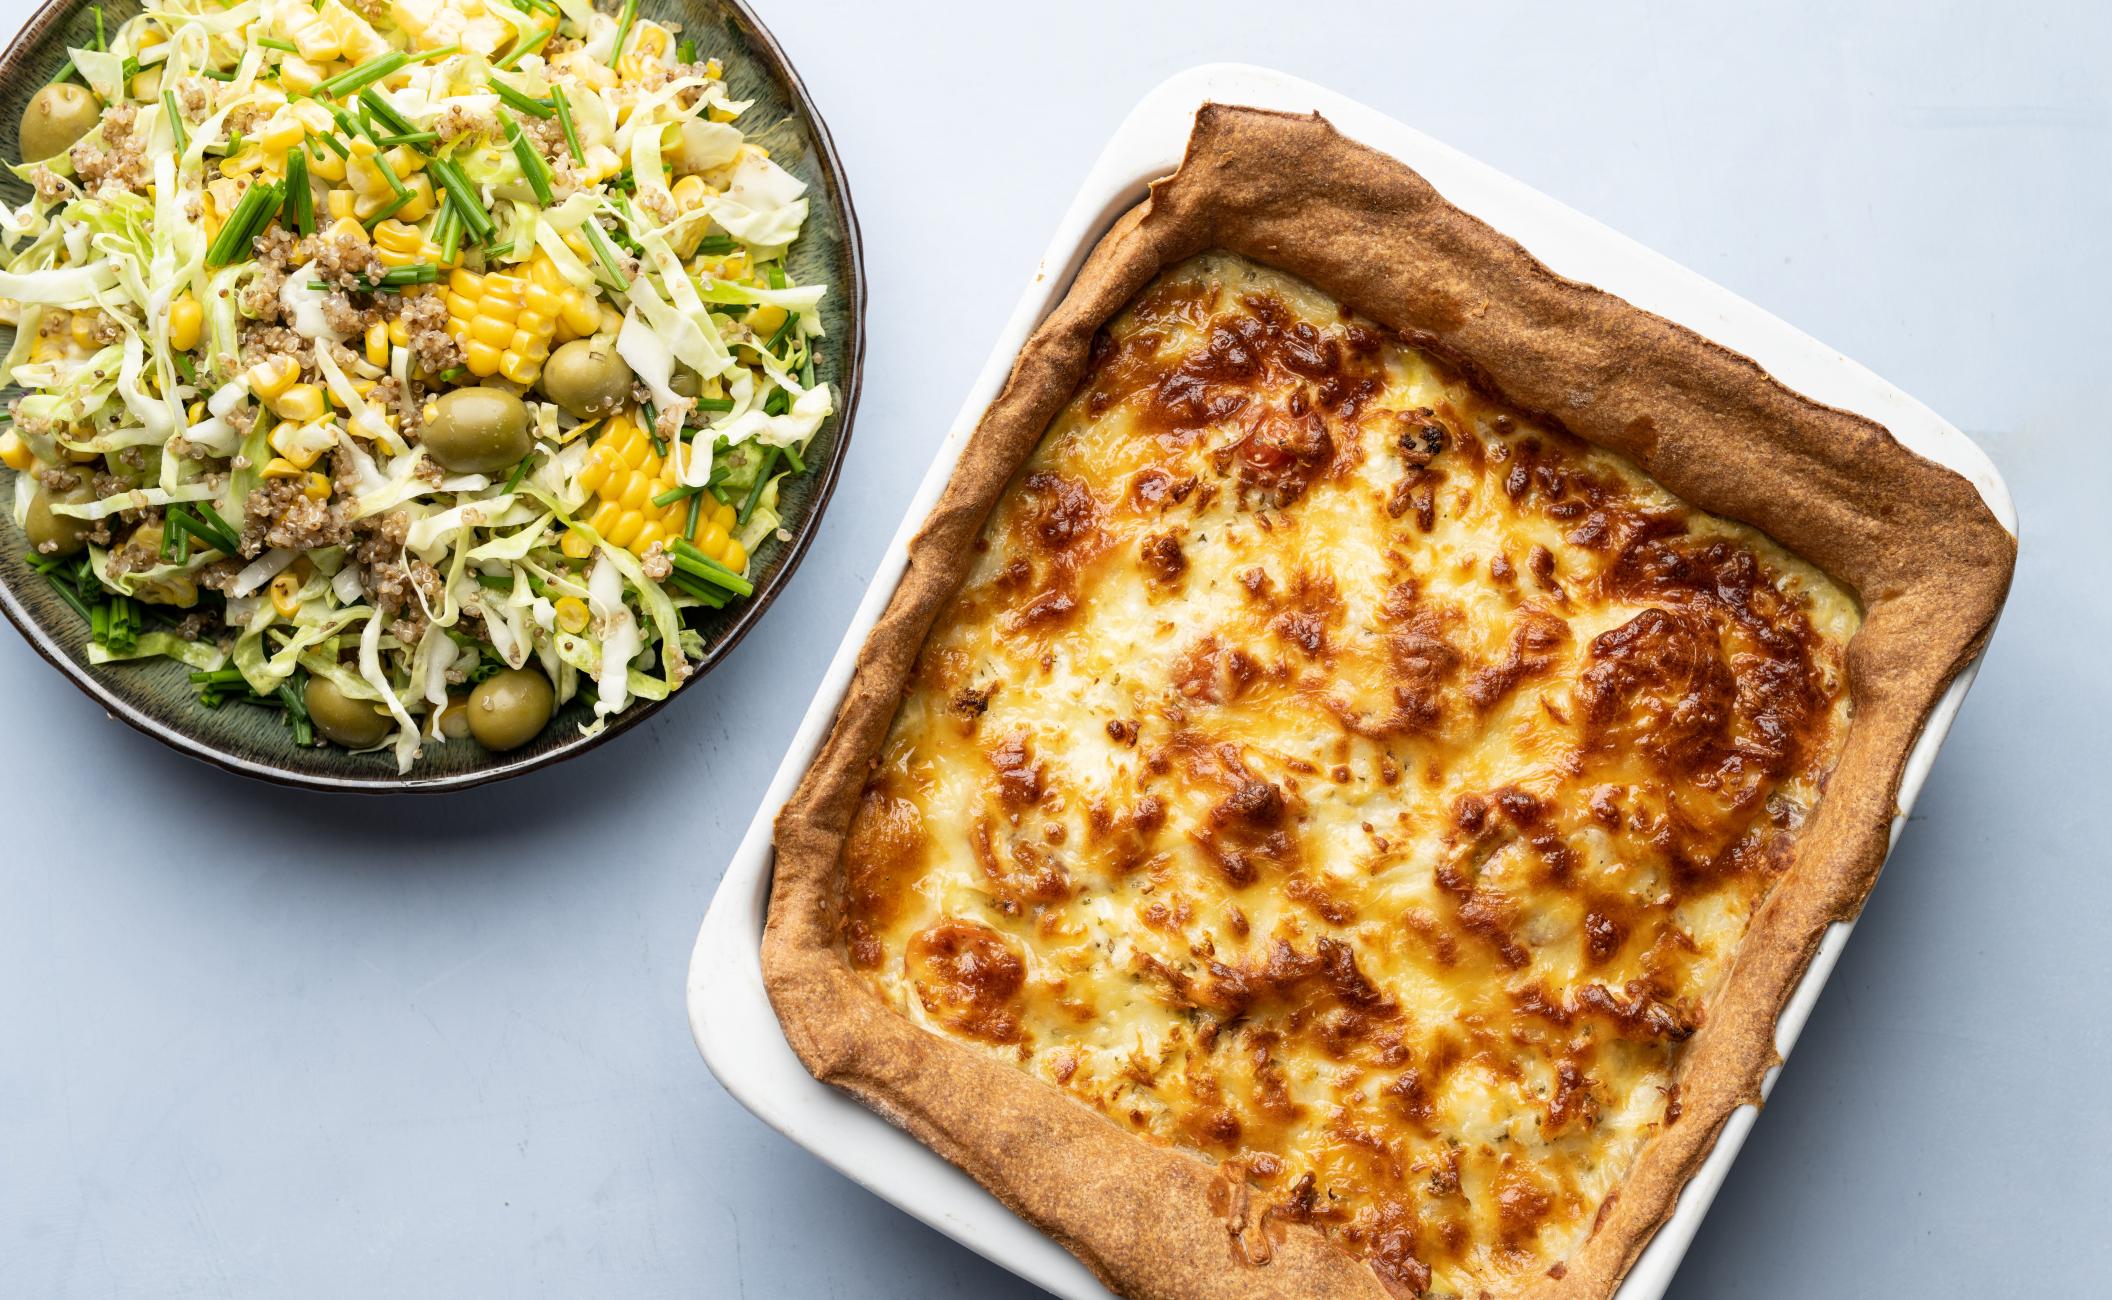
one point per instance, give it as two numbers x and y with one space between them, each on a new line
257 1043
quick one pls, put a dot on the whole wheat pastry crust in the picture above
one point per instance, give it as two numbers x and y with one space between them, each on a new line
1913 540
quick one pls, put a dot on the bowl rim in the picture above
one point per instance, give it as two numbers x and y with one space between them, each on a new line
13 63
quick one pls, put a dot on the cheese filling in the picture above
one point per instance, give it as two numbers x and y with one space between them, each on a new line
1328 770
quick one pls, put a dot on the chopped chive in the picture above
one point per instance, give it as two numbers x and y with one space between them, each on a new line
792 455
467 206
777 335
686 51
691 560
447 231
412 138
674 494
102 42
523 49
777 403
442 52
607 255
520 472
186 369
519 100
689 586
366 74
564 119
397 277
336 146
388 173
452 374
623 31
68 594
168 102
216 74
696 511
293 697
299 211
762 478
718 245
384 112
274 43
718 404
532 165
495 581
497 251
65 71
776 275
806 369
253 208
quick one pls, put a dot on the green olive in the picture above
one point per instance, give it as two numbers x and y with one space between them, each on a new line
477 431
56 534
510 707
57 115
702 146
355 724
587 378
686 382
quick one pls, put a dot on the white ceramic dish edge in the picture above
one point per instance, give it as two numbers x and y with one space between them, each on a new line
730 1014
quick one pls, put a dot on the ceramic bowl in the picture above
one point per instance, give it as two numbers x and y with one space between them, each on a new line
156 698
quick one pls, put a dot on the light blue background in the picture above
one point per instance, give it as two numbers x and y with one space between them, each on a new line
255 1043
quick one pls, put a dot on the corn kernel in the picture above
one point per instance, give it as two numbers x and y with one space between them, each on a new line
300 403
340 204
421 201
378 342
14 452
317 487
481 358
281 135
399 333
766 320
285 593
280 467
186 323
283 440
572 612
575 545
324 164
268 379
298 76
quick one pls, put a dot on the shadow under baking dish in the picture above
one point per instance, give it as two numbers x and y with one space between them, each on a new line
156 696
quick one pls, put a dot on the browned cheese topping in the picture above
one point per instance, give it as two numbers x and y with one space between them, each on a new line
1331 773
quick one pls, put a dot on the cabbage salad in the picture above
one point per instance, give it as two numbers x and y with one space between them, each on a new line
408 367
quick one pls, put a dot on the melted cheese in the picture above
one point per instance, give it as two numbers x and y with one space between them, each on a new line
1326 770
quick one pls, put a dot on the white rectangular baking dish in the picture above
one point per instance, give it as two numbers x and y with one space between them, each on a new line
728 1009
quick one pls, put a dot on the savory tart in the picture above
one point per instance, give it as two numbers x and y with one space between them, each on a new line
1320 816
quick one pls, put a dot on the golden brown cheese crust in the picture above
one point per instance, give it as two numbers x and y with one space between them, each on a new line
1911 540
1330 771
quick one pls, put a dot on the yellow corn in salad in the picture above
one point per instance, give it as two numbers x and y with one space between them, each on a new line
355 337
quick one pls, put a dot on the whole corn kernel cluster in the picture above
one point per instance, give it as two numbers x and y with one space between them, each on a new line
623 475
364 315
506 322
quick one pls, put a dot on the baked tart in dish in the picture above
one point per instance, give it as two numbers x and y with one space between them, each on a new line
1366 744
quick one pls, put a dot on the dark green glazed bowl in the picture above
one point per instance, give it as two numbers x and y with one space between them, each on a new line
156 697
